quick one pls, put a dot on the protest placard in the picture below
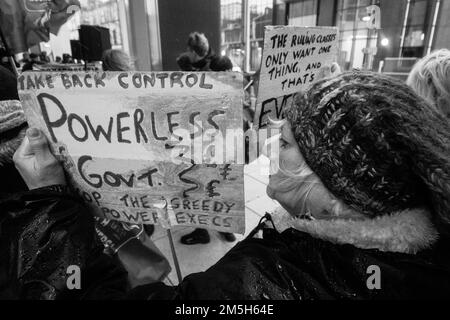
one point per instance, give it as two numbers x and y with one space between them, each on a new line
133 141
291 60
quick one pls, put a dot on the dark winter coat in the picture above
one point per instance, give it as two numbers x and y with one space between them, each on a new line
43 232
187 63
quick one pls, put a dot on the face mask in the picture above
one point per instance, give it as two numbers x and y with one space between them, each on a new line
301 191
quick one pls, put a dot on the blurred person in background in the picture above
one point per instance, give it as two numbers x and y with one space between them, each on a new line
199 54
34 59
184 63
67 58
25 57
221 64
116 60
44 57
430 78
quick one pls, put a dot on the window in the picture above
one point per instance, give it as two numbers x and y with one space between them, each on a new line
303 13
232 30
260 16
416 28
104 13
357 43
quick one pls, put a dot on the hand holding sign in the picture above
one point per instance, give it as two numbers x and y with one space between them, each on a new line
36 164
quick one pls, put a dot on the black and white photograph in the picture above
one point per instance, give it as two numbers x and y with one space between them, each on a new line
222 157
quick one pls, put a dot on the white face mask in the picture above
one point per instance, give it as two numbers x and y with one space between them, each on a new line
298 189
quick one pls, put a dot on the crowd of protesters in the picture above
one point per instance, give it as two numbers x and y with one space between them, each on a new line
364 181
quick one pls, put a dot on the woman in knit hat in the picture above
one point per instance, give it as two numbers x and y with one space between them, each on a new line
365 148
364 180
430 79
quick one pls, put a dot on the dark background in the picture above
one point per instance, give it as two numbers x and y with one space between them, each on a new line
178 19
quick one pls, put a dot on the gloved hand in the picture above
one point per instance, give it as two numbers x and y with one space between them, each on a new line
36 164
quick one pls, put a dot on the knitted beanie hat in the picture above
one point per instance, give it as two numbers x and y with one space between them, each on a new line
375 144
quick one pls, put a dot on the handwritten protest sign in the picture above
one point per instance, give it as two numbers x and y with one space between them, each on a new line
292 58
131 142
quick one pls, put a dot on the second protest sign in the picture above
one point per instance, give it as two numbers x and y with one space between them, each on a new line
292 58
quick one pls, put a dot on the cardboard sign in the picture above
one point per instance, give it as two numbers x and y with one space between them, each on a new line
147 148
292 58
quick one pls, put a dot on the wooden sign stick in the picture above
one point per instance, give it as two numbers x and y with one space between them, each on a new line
174 255
163 205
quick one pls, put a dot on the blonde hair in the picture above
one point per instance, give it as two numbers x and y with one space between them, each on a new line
293 177
430 78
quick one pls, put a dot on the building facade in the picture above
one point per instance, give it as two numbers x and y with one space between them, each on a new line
152 32
242 30
378 35
103 13
110 14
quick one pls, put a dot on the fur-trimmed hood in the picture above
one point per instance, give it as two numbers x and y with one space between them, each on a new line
408 231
